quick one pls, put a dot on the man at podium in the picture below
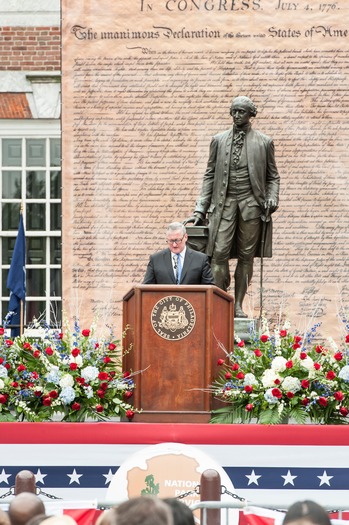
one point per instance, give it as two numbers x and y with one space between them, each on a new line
178 264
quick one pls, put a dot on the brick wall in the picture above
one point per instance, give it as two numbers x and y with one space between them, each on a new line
30 48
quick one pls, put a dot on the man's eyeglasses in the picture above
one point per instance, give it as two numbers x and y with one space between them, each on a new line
175 241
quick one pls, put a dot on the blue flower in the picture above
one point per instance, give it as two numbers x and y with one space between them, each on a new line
67 395
344 373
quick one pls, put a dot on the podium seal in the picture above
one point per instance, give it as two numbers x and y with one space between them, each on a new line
173 318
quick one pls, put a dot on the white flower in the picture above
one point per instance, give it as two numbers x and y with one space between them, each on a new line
3 371
88 391
333 345
344 373
77 360
67 395
272 400
287 325
2 384
250 379
278 364
307 363
268 378
291 384
89 373
66 380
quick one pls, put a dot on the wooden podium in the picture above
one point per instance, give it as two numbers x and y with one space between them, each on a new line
175 333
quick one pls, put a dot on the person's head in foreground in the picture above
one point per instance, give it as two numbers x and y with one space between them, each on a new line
182 514
143 510
306 513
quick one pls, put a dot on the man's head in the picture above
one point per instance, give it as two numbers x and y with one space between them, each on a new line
242 109
25 506
176 237
143 510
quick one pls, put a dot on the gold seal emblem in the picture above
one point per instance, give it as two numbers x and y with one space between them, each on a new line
173 317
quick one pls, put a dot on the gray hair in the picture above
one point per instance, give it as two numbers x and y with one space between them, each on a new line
247 102
177 226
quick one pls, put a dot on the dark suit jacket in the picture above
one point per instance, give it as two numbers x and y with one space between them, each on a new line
196 269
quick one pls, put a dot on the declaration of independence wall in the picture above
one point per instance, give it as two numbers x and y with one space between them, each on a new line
146 83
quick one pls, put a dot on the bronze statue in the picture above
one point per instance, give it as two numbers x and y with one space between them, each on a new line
240 190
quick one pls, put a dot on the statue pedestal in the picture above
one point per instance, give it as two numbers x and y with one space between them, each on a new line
244 327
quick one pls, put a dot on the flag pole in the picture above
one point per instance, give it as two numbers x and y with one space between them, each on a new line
21 311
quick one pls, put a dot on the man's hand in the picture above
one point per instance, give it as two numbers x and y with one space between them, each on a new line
271 205
197 219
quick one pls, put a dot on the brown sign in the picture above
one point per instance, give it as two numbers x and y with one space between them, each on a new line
173 317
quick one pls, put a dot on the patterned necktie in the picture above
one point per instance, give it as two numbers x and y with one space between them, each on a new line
179 268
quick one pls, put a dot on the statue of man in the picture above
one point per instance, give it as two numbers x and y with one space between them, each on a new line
240 190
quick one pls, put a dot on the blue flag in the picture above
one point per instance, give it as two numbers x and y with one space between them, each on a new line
16 280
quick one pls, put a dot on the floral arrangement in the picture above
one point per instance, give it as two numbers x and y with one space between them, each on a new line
72 373
280 376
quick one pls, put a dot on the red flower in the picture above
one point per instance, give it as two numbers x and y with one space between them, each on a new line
128 394
277 381
330 375
126 374
103 376
297 338
3 398
73 366
303 356
264 338
319 349
276 392
305 383
53 394
240 375
2 331
14 384
129 414
8 342
241 344
36 353
305 401
106 360
80 380
339 396
290 395
21 368
86 332
249 407
295 346
338 356
37 393
111 346
283 333
96 345
228 375
35 375
344 411
235 367
257 352
46 401
317 366
76 406
75 352
323 401
220 362
347 338
99 408
248 388
289 364
7 366
27 346
49 351
60 335
1 360
100 393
